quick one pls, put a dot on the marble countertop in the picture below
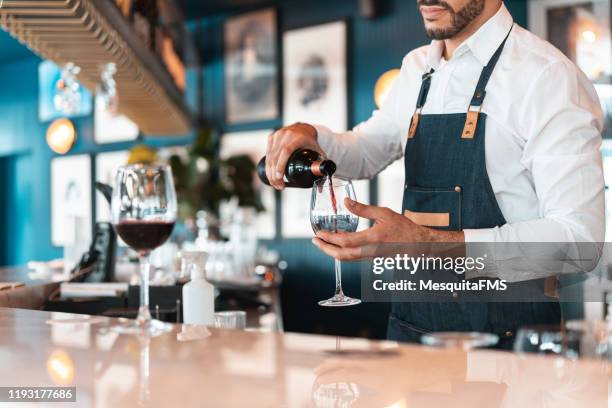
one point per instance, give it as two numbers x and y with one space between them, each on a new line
196 367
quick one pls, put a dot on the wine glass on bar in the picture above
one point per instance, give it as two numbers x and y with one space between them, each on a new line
144 211
328 213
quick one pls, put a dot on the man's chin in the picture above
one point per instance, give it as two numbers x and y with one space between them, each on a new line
438 32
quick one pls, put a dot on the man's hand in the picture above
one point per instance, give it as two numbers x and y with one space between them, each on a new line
282 143
389 227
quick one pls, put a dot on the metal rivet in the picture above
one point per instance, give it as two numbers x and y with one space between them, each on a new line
455 294
457 189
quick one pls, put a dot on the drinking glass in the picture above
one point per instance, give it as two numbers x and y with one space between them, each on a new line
233 320
328 213
548 339
143 208
460 340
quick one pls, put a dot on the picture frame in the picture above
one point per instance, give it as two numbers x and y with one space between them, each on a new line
106 166
71 196
315 75
251 67
581 29
253 144
112 127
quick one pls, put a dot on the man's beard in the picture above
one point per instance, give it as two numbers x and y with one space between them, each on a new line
459 19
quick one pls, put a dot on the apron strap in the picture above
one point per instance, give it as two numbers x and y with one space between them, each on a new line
425 84
473 113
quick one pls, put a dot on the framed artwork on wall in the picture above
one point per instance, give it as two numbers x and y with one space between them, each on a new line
110 127
314 75
251 71
253 144
581 30
107 165
48 76
71 207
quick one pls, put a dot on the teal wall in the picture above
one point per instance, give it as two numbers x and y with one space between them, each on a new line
25 158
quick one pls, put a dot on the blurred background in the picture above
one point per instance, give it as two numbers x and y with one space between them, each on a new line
200 84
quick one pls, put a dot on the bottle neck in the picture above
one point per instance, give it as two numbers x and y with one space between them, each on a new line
315 168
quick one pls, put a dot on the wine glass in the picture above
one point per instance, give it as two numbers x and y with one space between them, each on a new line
328 213
143 208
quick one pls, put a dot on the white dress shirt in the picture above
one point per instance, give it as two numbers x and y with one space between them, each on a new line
543 132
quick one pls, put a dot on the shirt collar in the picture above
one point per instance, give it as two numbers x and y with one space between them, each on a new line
483 43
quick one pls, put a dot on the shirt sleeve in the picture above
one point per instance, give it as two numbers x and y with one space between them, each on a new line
371 146
561 122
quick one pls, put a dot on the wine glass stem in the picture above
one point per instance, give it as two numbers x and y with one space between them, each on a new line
144 315
338 266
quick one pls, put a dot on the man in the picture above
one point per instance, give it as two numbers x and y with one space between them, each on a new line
538 177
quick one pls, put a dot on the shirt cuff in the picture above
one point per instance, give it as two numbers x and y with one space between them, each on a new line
480 243
485 235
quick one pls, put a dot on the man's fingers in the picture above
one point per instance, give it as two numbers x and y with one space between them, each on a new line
341 254
276 180
348 239
370 212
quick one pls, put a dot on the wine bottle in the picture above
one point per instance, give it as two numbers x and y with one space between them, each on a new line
304 167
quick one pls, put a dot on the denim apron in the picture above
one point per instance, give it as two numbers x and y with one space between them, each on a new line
447 187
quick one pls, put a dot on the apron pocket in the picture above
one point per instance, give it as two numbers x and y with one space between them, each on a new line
438 208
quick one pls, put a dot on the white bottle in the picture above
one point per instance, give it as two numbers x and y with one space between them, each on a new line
198 299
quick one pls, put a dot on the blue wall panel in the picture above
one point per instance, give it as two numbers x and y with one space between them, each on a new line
23 146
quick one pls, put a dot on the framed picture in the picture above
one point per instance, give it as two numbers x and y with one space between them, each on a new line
390 190
253 144
107 165
110 127
581 30
295 218
251 72
48 75
71 199
314 76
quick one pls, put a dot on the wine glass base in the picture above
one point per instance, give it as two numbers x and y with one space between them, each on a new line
339 301
152 328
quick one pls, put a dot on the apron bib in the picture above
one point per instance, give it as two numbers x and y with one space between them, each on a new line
447 187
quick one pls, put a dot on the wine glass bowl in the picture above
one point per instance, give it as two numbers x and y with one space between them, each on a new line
144 209
328 213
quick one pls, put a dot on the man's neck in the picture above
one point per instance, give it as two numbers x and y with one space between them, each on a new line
451 44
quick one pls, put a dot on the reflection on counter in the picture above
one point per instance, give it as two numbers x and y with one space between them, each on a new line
267 369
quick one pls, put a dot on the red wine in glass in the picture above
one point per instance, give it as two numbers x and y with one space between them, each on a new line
144 209
144 235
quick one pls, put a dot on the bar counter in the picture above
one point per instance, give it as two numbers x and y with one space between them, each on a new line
196 367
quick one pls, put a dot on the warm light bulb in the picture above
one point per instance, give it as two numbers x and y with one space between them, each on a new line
384 85
61 136
589 36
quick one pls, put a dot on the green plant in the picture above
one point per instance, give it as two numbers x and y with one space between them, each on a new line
203 180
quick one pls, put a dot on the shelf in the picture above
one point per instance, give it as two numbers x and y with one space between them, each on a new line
91 33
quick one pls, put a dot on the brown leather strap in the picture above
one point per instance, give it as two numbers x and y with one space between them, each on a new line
471 122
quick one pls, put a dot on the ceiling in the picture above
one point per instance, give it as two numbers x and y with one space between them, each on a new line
11 49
